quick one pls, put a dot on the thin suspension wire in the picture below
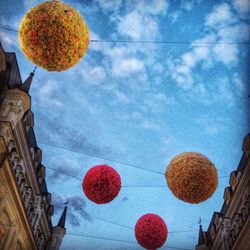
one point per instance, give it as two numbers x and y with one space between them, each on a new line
150 42
102 238
128 227
100 219
124 241
62 172
153 186
171 232
100 157
78 178
124 163
167 42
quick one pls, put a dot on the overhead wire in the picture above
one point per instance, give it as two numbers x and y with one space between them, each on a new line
128 227
102 238
150 42
100 219
100 157
104 158
120 162
78 178
121 41
124 241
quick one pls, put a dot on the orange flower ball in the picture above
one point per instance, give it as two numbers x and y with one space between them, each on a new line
192 177
53 36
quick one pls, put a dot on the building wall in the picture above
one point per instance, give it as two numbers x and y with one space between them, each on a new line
229 229
15 228
26 175
25 203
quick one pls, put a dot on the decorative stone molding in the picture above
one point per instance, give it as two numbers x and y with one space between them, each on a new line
3 64
34 206
225 231
227 195
27 197
246 145
14 103
37 156
234 179
28 120
6 133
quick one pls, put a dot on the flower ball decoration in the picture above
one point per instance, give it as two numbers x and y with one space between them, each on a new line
53 36
151 231
101 184
192 177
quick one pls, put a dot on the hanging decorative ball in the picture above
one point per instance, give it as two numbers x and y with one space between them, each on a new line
101 184
192 177
53 36
151 231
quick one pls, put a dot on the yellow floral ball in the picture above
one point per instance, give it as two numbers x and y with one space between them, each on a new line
192 177
53 36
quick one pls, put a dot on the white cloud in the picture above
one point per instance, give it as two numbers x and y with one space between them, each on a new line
98 74
152 6
122 97
47 94
30 3
127 66
238 83
225 53
220 15
174 16
109 5
118 52
242 5
137 26
131 25
6 39
211 125
146 124
223 29
238 32
156 102
225 92
91 74
185 5
136 115
189 4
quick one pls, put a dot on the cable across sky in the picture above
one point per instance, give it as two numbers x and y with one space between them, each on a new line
151 42
100 157
126 186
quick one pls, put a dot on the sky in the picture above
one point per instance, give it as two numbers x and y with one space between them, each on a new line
142 104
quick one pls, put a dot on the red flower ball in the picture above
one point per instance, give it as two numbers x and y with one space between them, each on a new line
151 231
101 184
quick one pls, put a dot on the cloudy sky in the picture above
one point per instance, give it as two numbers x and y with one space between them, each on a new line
141 104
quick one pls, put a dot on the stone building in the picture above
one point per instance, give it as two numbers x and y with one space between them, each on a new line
230 228
25 203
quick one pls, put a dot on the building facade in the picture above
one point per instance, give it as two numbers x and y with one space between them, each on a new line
229 229
25 203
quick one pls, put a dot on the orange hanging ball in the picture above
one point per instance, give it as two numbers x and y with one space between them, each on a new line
192 177
53 35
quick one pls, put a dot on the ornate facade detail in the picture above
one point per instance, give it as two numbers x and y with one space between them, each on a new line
28 120
2 60
229 229
14 103
25 203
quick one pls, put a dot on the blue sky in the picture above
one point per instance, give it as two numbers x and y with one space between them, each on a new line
142 104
